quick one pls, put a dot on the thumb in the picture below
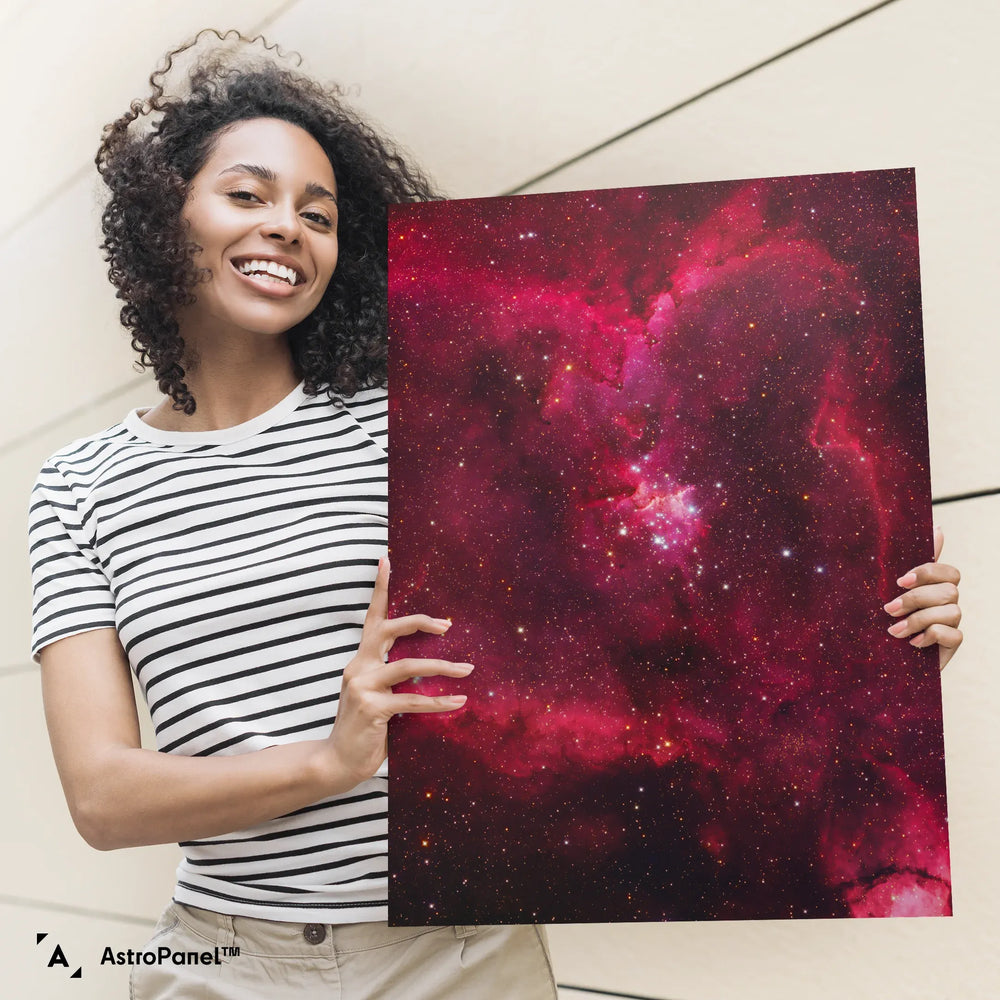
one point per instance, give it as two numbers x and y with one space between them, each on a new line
938 542
378 610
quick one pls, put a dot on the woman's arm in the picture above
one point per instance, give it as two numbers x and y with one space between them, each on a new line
121 795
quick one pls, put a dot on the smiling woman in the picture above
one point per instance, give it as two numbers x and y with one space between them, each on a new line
266 239
165 159
227 548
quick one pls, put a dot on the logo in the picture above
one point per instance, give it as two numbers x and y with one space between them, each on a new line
58 956
132 956
164 956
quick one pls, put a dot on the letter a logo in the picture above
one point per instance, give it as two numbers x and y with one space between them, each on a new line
58 958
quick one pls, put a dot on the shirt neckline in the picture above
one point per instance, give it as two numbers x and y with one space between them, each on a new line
224 435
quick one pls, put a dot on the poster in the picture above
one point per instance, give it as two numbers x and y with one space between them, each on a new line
661 454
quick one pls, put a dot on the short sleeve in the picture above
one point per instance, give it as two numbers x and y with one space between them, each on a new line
70 590
370 408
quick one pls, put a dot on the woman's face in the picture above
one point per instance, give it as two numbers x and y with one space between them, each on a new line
263 209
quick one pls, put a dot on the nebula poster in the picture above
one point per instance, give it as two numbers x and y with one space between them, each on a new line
661 455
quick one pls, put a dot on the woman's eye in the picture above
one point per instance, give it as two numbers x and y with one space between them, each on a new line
243 195
318 218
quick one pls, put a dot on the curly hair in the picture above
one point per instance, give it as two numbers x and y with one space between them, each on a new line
342 345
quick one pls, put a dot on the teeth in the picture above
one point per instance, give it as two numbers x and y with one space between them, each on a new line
269 267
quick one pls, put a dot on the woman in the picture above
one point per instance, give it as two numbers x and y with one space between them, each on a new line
223 546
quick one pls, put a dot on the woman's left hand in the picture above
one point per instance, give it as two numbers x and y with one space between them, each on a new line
929 613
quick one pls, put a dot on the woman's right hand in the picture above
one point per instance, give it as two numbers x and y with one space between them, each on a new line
358 742
122 795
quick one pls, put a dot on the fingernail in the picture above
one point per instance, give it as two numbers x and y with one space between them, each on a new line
466 668
917 640
457 699
894 607
898 629
443 622
908 580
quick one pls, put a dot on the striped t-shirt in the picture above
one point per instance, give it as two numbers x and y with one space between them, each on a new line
236 566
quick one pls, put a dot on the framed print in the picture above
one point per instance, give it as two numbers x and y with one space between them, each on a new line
661 454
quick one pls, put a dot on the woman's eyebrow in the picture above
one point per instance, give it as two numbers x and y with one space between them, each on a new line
313 189
254 169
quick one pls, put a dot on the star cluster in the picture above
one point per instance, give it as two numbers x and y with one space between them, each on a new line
661 453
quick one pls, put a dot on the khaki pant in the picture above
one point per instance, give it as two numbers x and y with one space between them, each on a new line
370 961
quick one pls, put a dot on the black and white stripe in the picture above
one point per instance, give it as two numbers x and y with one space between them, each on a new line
236 566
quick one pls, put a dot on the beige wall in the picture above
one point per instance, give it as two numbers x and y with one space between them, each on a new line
489 95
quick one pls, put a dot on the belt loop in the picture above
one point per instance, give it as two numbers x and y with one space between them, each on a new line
463 931
226 937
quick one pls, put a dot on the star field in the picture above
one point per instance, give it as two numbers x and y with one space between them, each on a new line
661 453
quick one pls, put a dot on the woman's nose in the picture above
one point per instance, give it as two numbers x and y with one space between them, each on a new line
283 223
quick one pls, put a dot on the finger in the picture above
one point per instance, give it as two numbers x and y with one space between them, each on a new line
938 542
378 706
930 595
408 624
946 652
944 636
411 703
949 615
926 573
406 669
378 609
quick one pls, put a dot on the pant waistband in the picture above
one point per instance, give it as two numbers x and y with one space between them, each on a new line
276 938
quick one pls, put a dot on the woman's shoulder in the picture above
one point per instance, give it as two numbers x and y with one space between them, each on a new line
367 399
72 459
362 405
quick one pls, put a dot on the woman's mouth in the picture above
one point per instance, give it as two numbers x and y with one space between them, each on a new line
268 275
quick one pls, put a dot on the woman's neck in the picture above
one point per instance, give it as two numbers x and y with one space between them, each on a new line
230 386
